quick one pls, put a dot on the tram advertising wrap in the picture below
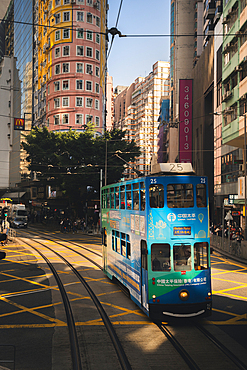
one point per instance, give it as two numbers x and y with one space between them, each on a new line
156 242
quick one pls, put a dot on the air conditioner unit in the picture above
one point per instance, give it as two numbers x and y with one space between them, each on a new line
228 93
238 68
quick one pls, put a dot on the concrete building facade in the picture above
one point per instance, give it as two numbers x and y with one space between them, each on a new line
10 105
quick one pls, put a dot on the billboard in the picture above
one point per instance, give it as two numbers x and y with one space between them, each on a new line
185 121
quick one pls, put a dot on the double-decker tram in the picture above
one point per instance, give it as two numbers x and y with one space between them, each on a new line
156 241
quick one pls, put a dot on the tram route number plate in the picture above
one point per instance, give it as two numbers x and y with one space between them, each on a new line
182 230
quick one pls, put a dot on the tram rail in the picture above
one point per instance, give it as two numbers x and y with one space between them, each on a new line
75 353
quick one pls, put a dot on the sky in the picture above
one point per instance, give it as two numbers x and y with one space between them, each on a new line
134 57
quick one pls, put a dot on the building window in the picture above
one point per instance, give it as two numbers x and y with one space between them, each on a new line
80 16
89 18
66 34
89 69
57 86
57 2
66 16
97 38
65 119
96 104
65 67
57 35
57 52
80 2
57 69
57 18
79 34
79 101
78 119
89 102
97 71
97 121
79 50
88 85
89 118
97 54
79 84
97 88
65 84
65 2
90 35
56 103
56 119
98 21
89 52
90 2
65 51
65 101
79 67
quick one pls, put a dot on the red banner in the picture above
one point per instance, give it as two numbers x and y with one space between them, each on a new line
185 121
19 124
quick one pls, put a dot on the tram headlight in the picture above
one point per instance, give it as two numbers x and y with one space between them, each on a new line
184 295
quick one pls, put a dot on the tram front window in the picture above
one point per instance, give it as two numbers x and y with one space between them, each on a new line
180 196
201 256
156 196
160 257
182 257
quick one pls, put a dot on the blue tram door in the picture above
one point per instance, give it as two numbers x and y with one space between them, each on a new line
144 274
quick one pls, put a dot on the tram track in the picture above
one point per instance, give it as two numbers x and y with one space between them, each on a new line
75 353
185 351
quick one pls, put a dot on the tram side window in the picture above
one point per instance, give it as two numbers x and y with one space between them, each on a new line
112 197
201 195
108 199
118 245
143 197
156 196
136 196
182 257
113 240
201 256
122 197
180 196
117 198
161 257
128 196
123 244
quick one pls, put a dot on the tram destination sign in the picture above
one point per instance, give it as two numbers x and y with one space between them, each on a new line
182 230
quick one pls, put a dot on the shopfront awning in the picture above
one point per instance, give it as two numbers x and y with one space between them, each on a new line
15 195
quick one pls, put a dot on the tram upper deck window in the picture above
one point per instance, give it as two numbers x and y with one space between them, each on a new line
201 195
117 198
136 196
122 197
143 198
182 257
160 257
156 196
128 196
107 198
112 197
180 196
201 256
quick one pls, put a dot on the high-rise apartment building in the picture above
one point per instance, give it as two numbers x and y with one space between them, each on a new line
137 110
69 63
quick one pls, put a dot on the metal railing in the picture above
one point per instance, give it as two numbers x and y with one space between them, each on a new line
231 247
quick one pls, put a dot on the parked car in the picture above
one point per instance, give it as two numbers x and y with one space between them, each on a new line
19 223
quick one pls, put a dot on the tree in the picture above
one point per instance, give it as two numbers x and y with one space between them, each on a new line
73 160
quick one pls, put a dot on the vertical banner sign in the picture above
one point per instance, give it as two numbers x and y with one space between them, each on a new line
185 119
19 124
